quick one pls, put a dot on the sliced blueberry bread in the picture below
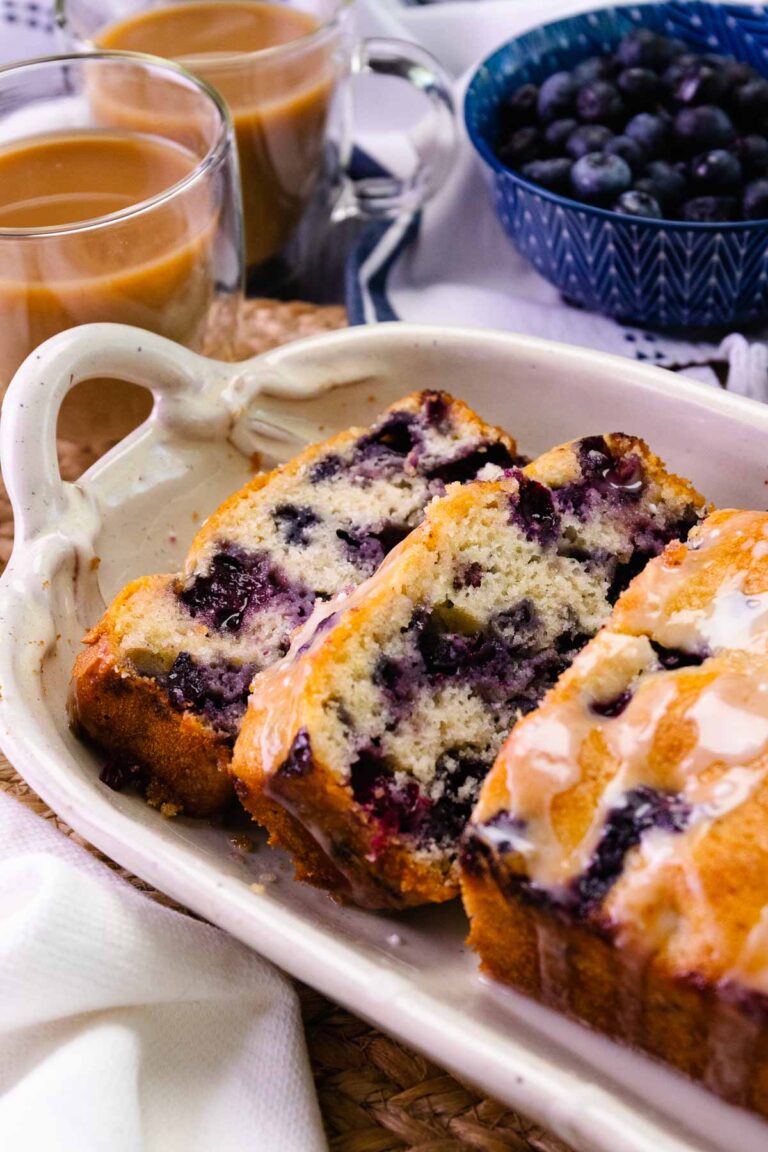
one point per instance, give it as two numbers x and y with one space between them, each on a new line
616 866
363 751
163 682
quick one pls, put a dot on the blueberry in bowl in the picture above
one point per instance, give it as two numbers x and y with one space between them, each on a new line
627 154
664 182
630 150
634 203
599 177
589 138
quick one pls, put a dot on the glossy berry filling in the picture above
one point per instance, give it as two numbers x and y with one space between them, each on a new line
326 468
465 466
218 692
397 435
532 508
400 807
643 808
613 707
649 539
396 808
606 483
672 658
436 411
503 661
238 583
401 439
504 667
602 480
468 576
299 760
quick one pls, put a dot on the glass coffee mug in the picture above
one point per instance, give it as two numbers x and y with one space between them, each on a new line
284 70
103 220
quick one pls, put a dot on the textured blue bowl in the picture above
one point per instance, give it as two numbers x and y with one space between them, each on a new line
656 273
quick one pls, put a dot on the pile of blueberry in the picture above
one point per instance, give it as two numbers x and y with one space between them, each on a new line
652 130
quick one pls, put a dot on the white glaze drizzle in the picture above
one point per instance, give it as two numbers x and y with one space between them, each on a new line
731 618
507 838
730 717
720 720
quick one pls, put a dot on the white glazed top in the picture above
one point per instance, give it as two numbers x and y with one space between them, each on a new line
699 734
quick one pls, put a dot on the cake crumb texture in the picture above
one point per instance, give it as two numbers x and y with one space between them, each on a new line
364 750
163 682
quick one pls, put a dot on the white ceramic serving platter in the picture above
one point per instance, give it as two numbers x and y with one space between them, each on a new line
137 509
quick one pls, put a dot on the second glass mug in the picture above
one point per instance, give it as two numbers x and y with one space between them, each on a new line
288 101
98 223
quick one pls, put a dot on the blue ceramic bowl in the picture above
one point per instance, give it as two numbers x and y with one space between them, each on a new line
656 273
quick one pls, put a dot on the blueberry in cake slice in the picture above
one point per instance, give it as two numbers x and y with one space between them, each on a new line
363 751
616 866
163 682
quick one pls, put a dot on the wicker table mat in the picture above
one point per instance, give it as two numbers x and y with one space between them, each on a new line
375 1094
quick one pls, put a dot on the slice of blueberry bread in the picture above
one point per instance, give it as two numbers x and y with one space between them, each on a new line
363 751
616 866
163 682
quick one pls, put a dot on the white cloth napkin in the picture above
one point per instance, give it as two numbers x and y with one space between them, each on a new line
462 269
127 1027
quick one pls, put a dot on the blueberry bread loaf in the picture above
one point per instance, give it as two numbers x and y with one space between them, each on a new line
616 866
163 682
363 751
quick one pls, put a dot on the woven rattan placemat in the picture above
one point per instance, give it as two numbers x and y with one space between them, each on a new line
375 1094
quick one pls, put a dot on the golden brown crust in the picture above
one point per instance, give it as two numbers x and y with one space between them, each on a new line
731 535
185 760
312 816
313 866
672 1019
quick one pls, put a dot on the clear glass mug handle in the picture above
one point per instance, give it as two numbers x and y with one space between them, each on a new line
433 139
